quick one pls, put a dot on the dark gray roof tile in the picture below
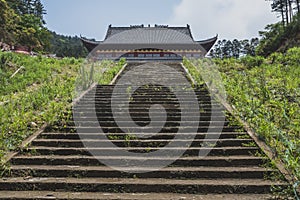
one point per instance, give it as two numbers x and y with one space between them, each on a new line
151 36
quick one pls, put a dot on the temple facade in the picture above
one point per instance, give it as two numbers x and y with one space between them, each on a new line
148 43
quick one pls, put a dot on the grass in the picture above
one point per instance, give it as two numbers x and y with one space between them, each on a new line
265 92
40 93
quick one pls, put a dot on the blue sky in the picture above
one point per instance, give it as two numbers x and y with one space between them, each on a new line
228 18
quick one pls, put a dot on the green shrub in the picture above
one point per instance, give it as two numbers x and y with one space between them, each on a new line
252 61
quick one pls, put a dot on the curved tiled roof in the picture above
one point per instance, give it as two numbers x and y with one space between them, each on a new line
158 37
149 36
115 30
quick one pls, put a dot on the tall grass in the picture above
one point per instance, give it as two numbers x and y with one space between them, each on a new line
40 93
266 94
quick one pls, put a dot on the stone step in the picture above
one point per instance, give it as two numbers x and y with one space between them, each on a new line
203 117
216 151
159 136
146 109
134 110
147 94
37 195
158 114
151 89
129 185
191 95
110 87
138 172
208 161
150 95
138 143
142 123
203 100
107 100
147 105
144 130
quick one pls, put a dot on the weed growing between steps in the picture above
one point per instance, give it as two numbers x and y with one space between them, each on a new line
266 94
42 92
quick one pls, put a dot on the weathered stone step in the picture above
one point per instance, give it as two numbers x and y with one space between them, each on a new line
203 117
209 161
147 96
127 90
167 173
138 143
146 109
164 136
216 151
168 128
142 123
147 105
154 90
204 100
149 77
142 108
110 87
127 185
139 91
37 195
105 103
171 114
143 130
150 95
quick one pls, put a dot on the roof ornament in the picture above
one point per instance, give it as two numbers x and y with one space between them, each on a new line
137 26
161 26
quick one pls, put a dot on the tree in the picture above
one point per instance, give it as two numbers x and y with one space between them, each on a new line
39 10
8 21
32 7
297 2
32 33
29 28
235 48
279 38
66 46
286 9
281 7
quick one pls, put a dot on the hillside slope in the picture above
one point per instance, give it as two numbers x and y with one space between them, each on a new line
265 92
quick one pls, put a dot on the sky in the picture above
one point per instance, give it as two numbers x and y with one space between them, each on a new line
229 19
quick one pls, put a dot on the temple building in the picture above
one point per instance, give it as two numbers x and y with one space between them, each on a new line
148 43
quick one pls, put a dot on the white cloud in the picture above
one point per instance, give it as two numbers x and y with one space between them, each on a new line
229 18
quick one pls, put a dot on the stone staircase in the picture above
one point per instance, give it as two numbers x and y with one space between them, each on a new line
76 161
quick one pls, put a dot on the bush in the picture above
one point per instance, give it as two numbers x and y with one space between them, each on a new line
251 61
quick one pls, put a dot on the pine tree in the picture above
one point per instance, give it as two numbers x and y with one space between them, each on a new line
39 10
236 48
286 9
297 6
8 21
32 7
